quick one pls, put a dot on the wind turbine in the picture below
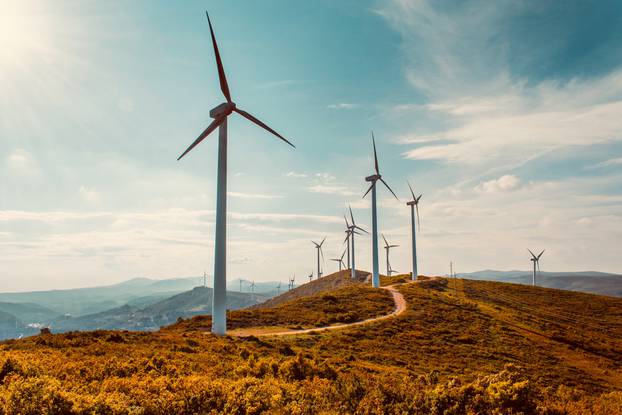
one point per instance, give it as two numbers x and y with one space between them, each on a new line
414 205
352 228
278 288
388 247
374 214
291 282
340 260
220 114
536 263
241 281
252 286
347 240
319 251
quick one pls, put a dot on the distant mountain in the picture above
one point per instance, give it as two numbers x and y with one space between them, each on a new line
82 301
28 312
137 292
157 314
587 281
270 287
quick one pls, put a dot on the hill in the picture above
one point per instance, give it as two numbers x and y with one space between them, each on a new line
155 315
588 281
28 312
461 346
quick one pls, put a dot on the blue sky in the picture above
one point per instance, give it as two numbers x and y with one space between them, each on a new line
506 115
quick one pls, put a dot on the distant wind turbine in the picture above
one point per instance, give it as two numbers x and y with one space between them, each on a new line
319 252
536 263
353 231
340 260
291 282
278 288
387 248
374 213
220 115
252 287
414 205
347 239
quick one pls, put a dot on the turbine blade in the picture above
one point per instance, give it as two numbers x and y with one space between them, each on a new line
204 134
385 239
346 219
322 243
322 253
411 190
373 140
372 185
342 255
532 254
351 214
224 87
390 190
261 124
418 222
347 238
541 253
358 227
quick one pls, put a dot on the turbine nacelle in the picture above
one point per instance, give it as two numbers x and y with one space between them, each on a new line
373 178
223 110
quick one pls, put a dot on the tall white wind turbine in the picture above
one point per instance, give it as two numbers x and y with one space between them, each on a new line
319 252
353 227
220 115
536 263
387 248
414 206
374 214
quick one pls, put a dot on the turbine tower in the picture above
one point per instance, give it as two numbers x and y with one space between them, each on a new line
278 288
319 252
347 240
387 248
220 115
353 231
536 263
252 286
414 205
340 260
374 214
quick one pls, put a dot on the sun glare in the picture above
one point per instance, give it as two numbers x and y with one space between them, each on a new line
22 33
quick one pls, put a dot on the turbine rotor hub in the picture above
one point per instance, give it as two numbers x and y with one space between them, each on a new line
222 110
373 178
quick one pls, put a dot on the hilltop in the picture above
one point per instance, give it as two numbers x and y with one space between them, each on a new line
461 346
587 281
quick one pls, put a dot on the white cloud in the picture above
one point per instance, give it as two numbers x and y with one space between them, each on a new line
21 163
504 183
609 163
331 189
342 106
296 175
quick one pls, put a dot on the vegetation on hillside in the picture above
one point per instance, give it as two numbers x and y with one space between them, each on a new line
351 303
453 351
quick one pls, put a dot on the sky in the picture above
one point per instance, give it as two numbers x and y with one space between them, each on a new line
505 115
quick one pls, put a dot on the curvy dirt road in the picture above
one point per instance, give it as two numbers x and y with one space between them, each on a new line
398 299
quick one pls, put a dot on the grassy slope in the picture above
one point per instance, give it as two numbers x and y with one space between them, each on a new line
466 330
330 300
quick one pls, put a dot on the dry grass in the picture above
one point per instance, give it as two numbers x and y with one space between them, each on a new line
463 347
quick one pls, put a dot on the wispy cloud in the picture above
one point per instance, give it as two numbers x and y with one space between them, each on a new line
296 175
342 106
331 189
504 183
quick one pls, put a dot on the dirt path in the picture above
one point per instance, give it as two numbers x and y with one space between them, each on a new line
398 299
